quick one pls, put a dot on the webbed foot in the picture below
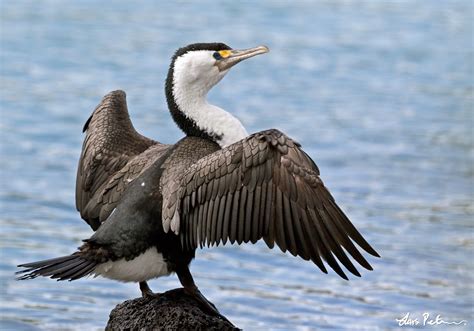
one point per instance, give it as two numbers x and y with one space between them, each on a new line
147 292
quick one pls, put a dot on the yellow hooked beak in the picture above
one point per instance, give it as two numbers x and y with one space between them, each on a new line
231 57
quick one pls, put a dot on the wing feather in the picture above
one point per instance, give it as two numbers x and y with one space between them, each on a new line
269 229
226 221
113 154
266 187
234 217
248 216
261 208
288 227
255 210
219 220
203 223
210 216
279 222
241 218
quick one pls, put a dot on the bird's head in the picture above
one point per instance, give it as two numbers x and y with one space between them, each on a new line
203 65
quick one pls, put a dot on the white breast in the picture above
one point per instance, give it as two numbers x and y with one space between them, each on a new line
150 264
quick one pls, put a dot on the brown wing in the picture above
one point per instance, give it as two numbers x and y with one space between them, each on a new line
266 187
111 157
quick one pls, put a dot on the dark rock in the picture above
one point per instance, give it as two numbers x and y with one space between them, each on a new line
173 310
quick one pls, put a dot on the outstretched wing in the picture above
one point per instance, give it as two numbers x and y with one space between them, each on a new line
111 158
264 186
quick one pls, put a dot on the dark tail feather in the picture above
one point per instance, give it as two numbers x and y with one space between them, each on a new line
69 267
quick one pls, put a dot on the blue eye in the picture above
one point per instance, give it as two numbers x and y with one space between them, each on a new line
217 56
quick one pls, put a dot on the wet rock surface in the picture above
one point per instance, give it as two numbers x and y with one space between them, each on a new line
173 310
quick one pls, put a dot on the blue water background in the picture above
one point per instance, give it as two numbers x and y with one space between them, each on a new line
379 93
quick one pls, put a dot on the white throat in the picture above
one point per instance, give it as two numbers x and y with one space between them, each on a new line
194 76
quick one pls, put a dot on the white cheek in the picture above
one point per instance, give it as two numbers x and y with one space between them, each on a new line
195 74
204 73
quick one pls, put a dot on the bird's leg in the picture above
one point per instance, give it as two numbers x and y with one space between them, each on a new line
147 292
191 289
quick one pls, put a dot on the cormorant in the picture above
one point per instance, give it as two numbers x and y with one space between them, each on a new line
151 205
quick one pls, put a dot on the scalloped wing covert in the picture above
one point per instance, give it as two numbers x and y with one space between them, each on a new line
264 186
113 154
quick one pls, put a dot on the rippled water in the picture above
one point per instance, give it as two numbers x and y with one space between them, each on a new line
379 93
